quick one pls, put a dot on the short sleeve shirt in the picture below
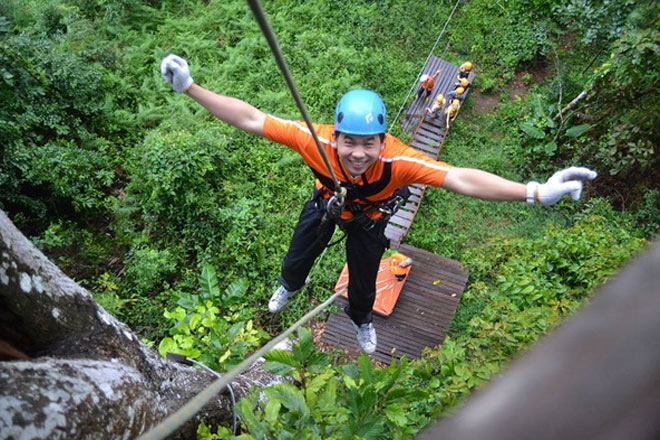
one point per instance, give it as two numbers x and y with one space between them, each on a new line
406 165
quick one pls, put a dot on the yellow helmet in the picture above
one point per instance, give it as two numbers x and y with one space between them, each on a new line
456 102
464 82
440 97
466 65
459 91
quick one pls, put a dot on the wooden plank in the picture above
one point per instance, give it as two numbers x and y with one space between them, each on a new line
430 151
430 141
430 132
415 198
402 222
428 256
405 214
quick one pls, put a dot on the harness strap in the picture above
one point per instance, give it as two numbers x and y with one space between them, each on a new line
361 212
359 192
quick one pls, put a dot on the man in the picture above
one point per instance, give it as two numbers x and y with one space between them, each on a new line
371 165
426 84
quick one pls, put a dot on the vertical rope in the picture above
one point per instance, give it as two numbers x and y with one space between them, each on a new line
267 30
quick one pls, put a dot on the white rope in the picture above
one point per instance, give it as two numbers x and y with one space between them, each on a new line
403 105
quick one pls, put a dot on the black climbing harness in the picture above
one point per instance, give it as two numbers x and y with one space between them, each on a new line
360 211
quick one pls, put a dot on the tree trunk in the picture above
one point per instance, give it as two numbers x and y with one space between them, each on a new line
70 370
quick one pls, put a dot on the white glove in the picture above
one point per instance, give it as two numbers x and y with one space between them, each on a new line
176 72
562 182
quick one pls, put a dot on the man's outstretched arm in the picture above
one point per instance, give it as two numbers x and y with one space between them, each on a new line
483 185
231 110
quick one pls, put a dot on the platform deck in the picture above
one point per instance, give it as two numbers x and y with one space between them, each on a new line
421 317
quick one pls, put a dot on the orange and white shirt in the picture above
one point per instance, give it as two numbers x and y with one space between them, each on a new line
397 165
429 83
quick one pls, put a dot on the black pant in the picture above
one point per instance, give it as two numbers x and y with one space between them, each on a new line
364 249
422 90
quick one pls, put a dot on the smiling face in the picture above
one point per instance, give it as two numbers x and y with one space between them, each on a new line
357 153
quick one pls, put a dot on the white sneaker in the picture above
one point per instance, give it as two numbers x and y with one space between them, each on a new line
366 336
280 299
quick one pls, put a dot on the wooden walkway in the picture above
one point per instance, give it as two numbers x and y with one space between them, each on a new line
435 284
428 135
422 315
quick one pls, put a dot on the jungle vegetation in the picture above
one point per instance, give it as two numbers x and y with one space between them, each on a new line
177 222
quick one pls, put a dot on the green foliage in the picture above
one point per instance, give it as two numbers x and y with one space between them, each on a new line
563 266
628 81
500 36
90 130
58 124
544 135
147 269
596 21
352 401
212 327
648 215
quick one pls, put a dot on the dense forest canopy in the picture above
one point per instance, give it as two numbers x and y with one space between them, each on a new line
168 215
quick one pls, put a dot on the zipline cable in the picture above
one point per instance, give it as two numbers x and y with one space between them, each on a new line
424 65
194 405
267 30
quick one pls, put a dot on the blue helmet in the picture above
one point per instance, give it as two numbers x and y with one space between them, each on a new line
360 112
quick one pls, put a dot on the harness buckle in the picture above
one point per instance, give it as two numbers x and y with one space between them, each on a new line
392 205
335 206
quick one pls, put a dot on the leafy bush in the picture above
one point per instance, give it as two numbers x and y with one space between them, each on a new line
500 37
597 21
352 401
59 131
212 327
147 269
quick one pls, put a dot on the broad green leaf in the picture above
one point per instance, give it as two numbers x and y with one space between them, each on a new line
319 381
290 397
246 413
577 130
532 131
167 345
351 370
186 303
366 369
349 382
272 410
372 428
396 415
208 283
225 356
195 320
317 362
550 148
278 368
236 290
305 345
281 356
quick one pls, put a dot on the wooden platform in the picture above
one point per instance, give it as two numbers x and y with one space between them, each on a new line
422 315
